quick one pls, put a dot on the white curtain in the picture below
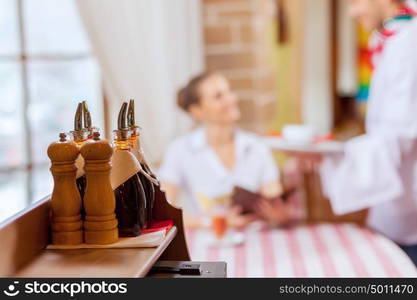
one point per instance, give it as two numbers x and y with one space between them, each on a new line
146 51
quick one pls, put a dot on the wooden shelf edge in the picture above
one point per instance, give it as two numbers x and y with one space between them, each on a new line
95 263
158 252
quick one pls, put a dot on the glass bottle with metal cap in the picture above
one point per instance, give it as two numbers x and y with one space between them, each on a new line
130 195
79 135
146 176
135 138
87 121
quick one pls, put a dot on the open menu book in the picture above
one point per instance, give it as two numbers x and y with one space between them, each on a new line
248 200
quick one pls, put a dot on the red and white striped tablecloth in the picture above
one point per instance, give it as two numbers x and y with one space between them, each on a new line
322 250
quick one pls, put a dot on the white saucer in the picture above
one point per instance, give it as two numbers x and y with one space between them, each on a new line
232 238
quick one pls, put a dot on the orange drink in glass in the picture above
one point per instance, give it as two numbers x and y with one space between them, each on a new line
219 221
219 225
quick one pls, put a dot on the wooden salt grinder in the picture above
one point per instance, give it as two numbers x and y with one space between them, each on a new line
100 225
66 201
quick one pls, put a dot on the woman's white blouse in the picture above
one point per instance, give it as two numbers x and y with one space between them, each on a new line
192 165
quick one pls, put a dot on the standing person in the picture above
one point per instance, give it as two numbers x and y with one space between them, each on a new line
378 170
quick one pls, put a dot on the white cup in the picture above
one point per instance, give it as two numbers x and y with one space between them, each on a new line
298 133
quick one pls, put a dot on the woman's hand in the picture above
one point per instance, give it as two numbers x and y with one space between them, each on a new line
273 211
271 189
235 219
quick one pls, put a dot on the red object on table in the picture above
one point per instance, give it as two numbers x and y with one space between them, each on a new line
159 225
275 133
323 138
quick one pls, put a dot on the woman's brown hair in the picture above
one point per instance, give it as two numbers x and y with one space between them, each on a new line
190 94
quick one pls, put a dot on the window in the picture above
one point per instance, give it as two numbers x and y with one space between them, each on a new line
46 68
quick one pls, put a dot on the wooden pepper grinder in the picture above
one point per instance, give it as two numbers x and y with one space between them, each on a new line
66 200
100 225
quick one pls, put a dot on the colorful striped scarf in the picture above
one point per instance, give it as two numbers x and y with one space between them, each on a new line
370 47
390 28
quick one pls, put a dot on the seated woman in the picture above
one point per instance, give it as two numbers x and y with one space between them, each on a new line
205 165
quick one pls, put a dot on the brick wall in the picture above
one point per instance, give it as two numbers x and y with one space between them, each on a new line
236 35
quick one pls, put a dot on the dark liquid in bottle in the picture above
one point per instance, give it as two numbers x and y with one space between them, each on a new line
81 185
149 189
130 207
142 214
